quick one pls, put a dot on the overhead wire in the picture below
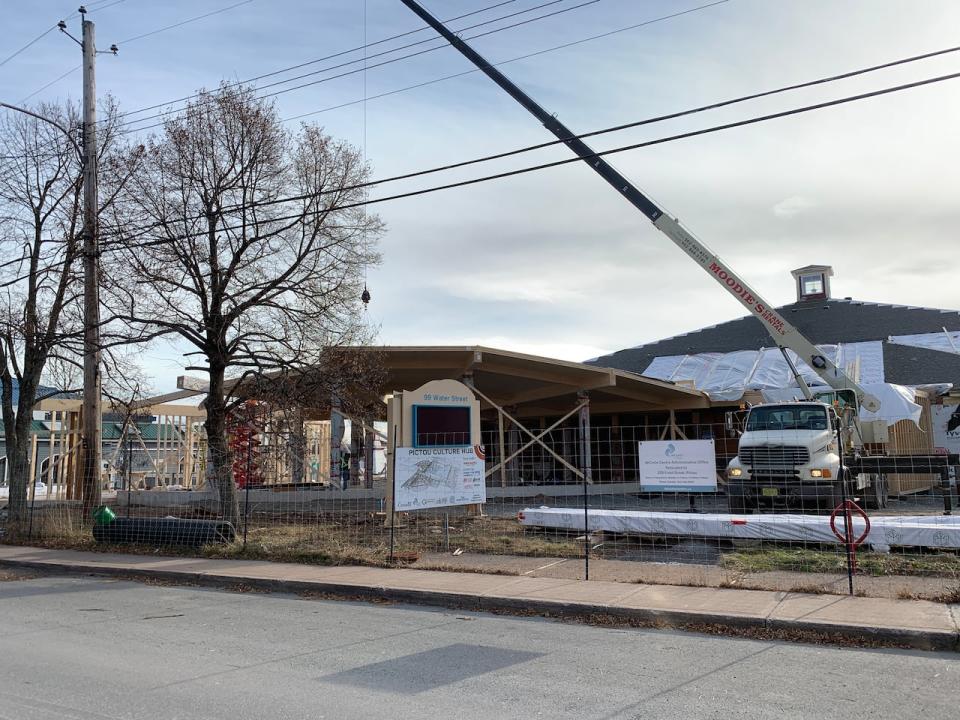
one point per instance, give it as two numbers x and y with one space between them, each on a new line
112 246
316 60
645 121
557 163
390 61
185 22
135 38
526 56
33 42
93 6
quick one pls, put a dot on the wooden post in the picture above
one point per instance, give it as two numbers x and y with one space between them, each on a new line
188 454
51 449
369 439
566 434
586 462
33 466
512 470
73 449
503 450
62 489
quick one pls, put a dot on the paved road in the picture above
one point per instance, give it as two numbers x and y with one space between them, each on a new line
95 649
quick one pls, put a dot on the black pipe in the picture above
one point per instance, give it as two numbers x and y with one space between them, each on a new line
164 531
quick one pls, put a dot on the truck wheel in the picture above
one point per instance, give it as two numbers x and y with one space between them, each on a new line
876 496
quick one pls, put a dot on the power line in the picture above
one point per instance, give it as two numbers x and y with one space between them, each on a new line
634 124
540 52
317 60
562 46
133 39
37 39
441 46
93 6
669 116
185 22
141 231
52 82
544 166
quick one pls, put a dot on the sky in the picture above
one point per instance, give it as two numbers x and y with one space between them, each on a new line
554 262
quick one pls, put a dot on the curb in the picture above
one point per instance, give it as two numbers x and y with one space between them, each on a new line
709 623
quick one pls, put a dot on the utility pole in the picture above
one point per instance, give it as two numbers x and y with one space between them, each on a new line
91 282
90 431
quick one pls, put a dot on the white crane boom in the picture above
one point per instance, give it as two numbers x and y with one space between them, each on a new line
783 333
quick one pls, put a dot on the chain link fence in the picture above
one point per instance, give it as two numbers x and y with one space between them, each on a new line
566 505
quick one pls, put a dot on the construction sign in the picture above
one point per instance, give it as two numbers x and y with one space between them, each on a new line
438 477
677 466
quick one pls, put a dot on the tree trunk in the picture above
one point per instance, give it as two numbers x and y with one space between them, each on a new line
17 502
17 436
19 463
220 472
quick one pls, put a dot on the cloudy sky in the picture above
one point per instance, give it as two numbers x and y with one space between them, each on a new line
554 262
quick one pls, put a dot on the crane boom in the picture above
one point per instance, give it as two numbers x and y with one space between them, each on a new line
783 333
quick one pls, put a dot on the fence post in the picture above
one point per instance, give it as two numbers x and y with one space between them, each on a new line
246 489
393 493
585 469
847 520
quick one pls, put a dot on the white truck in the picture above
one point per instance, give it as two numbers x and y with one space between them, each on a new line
790 455
774 463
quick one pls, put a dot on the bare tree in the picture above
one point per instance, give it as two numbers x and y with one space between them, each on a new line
40 249
258 284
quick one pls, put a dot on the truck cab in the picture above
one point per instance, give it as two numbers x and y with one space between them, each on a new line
787 455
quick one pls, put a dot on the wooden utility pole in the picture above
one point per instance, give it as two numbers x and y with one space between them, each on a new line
91 286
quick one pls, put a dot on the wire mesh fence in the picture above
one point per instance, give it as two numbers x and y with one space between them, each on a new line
564 502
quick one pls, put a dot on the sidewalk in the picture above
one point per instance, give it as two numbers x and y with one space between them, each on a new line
914 623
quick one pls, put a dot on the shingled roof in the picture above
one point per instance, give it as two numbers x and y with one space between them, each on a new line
822 322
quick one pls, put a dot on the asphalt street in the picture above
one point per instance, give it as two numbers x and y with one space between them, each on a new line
98 649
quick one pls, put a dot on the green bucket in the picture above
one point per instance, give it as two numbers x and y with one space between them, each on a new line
104 515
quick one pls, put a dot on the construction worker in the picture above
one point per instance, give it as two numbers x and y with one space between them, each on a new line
344 469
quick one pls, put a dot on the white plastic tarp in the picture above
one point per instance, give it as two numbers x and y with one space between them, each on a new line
946 341
896 401
726 376
933 531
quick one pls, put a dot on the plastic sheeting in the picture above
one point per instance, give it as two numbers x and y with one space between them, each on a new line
896 401
933 531
726 376
947 341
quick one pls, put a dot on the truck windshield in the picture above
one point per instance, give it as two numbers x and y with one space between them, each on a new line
787 417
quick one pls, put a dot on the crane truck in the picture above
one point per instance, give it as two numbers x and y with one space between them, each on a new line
795 452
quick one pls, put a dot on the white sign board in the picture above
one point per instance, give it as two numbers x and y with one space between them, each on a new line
438 477
946 427
678 466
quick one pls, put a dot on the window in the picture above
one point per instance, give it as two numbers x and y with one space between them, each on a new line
782 417
811 285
